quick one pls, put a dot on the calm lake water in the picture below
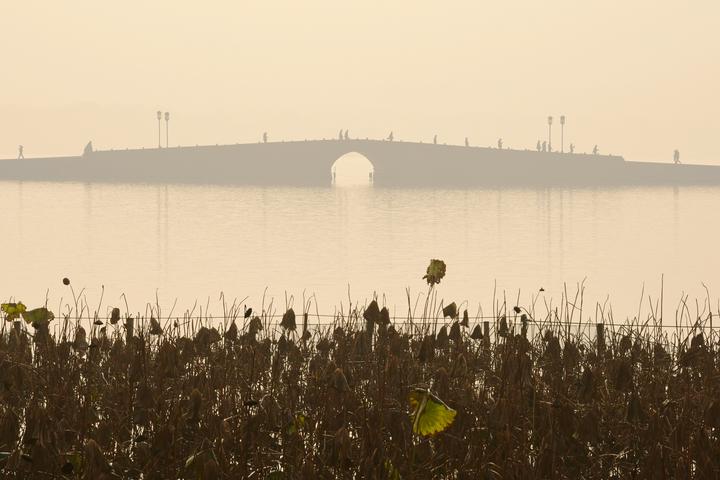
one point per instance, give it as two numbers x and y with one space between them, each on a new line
192 242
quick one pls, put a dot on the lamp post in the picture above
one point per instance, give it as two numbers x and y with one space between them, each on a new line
562 133
167 129
159 117
549 134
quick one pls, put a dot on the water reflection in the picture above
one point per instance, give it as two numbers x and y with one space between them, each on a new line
192 242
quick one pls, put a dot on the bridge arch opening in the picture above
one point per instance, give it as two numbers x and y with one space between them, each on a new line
352 169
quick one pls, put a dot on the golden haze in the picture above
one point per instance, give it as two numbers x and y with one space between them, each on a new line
638 78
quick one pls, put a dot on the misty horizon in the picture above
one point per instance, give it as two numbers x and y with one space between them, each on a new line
637 79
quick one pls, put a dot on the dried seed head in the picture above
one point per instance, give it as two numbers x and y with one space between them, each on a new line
442 338
623 376
323 346
155 328
338 334
231 334
427 349
384 316
625 344
282 345
503 327
450 311
288 320
698 341
548 335
80 342
455 334
255 326
372 312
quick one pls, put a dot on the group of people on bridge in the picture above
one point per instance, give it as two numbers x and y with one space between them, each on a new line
547 147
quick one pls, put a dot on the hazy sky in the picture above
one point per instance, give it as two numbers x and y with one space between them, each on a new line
639 78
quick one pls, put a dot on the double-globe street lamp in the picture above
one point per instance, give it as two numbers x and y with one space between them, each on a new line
167 128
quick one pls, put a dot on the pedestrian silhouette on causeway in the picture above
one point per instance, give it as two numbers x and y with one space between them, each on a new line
20 152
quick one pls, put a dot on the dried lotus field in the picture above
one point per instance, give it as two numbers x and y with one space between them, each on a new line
522 397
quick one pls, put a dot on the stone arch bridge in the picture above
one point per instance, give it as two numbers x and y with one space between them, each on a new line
308 163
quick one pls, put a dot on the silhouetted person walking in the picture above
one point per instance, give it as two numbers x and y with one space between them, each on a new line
499 143
265 137
435 140
595 150
676 157
539 146
572 148
467 144
21 156
347 137
391 137
340 135
544 146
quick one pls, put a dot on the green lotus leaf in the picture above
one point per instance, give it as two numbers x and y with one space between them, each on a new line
38 316
12 311
430 414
